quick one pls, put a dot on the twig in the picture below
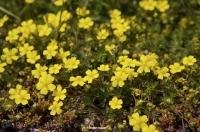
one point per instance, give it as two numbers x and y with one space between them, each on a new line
183 125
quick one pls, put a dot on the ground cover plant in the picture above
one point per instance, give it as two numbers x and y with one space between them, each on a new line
100 65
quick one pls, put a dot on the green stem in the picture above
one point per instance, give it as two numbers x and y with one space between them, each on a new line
9 13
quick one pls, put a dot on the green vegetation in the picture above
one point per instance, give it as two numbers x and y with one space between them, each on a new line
116 65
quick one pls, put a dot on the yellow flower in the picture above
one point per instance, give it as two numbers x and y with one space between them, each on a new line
122 59
9 55
162 72
55 108
137 121
102 34
162 5
85 23
150 128
121 74
14 92
51 50
44 30
115 13
127 62
3 20
64 15
20 95
71 63
29 1
120 29
54 69
91 75
23 50
103 67
127 72
190 60
122 38
110 48
13 35
32 57
148 4
59 2
124 72
52 19
63 54
2 65
117 80
45 83
147 62
115 103
27 28
78 80
59 93
82 11
63 27
39 70
176 67
56 20
119 25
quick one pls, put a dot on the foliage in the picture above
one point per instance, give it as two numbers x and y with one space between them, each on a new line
119 65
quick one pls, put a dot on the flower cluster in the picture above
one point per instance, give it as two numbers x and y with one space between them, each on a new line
146 64
119 25
59 20
140 123
23 32
89 77
161 5
60 57
51 50
59 95
85 22
45 84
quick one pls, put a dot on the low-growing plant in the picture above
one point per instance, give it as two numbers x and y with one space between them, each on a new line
117 65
